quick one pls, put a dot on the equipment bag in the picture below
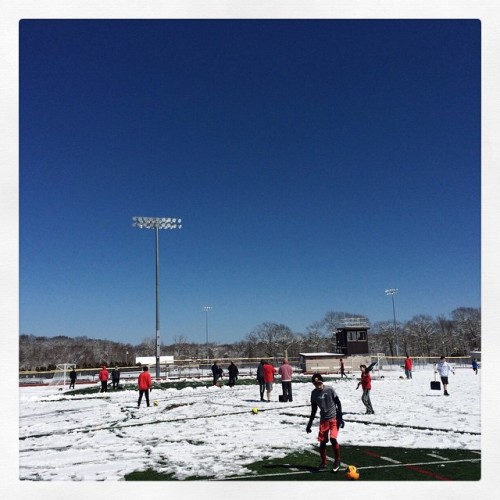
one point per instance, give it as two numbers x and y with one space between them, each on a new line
435 386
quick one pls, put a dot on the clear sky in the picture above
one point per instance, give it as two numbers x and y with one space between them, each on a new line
315 163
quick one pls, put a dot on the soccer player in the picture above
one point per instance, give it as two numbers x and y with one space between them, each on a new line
444 369
260 379
115 377
145 383
104 377
286 372
408 366
216 372
366 384
342 368
233 372
474 365
326 399
269 372
72 378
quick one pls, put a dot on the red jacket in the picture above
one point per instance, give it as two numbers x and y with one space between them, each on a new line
144 381
103 374
366 381
408 364
269 372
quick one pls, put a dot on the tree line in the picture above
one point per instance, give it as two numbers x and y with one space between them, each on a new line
456 335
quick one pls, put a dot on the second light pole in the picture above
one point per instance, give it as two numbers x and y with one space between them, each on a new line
206 309
392 292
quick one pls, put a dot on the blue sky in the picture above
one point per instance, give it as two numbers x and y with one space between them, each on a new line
314 164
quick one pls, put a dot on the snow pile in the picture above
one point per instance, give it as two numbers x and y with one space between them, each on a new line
212 432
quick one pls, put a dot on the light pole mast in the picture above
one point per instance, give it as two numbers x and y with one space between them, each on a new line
157 223
206 309
392 292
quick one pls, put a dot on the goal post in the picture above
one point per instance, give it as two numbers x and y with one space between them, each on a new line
61 374
382 364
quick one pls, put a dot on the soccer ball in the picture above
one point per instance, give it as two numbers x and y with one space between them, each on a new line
255 410
351 473
155 402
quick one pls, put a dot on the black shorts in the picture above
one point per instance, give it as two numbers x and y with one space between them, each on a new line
444 380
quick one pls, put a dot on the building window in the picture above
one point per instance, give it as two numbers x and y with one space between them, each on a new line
355 335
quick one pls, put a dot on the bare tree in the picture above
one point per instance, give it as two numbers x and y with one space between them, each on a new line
467 325
422 335
384 338
445 340
315 339
272 338
180 346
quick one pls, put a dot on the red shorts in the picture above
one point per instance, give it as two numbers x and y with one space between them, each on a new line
328 427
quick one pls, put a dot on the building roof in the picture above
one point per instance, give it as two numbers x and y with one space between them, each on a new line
358 322
320 354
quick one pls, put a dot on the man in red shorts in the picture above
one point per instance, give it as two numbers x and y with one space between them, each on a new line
269 372
326 399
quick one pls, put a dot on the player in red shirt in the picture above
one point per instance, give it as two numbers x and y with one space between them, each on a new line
408 366
145 383
104 377
366 385
269 372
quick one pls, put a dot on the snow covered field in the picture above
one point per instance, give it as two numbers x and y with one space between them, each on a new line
211 432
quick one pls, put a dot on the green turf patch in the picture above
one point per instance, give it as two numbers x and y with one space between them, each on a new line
169 384
373 464
148 475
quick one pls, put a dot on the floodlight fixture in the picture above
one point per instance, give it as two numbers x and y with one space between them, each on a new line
157 223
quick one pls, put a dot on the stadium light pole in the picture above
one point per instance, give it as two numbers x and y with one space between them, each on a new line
392 292
206 309
157 223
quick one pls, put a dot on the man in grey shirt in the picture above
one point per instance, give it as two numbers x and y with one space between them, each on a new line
330 411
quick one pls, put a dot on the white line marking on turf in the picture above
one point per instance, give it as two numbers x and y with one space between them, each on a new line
390 460
419 463
437 456
359 468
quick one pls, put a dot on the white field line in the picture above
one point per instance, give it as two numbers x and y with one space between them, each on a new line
420 463
437 456
359 468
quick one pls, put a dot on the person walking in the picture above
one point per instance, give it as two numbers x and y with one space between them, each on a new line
408 366
145 383
104 377
474 365
115 377
233 372
342 368
366 384
326 399
216 372
269 372
72 378
286 371
444 369
260 379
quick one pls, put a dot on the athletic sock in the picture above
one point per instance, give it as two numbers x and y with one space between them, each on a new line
336 452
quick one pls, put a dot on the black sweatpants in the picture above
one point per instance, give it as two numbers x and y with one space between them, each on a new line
146 393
